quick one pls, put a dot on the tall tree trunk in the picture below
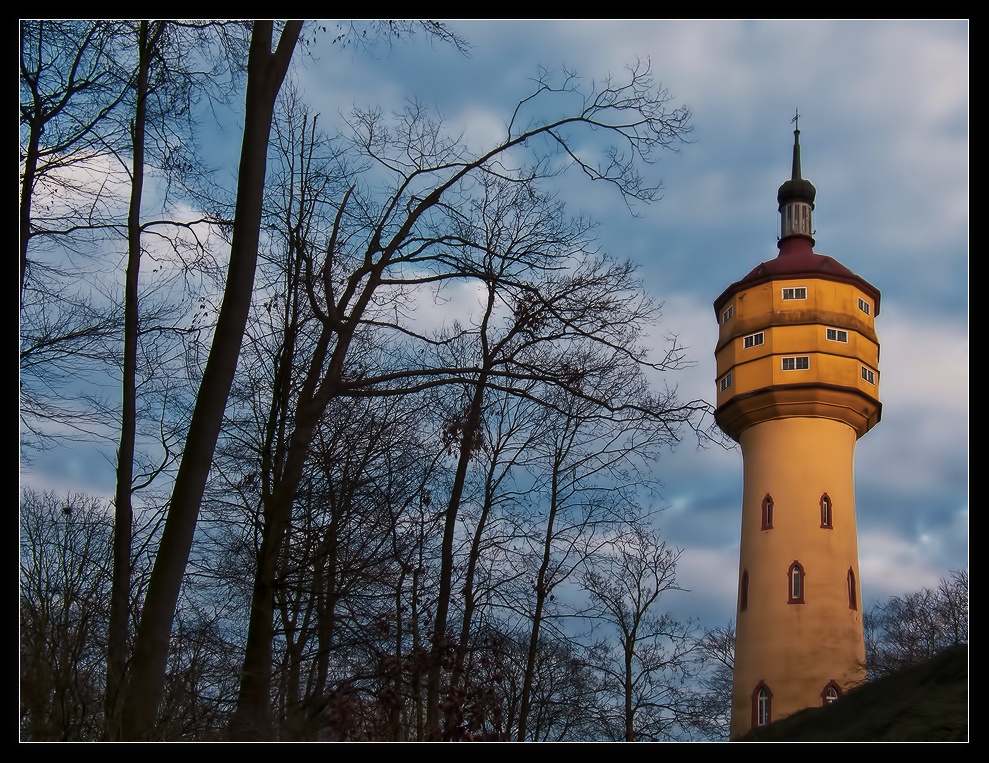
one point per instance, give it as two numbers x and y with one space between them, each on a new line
542 591
252 717
265 73
149 35
629 654
27 193
471 427
470 603
471 424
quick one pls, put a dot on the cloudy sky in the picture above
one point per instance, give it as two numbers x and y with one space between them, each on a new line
884 135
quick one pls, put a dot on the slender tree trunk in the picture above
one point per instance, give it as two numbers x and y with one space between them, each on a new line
395 726
149 35
542 591
472 423
470 604
265 72
415 680
326 595
627 694
31 155
252 717
27 192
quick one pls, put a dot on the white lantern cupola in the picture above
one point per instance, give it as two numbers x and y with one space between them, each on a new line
796 200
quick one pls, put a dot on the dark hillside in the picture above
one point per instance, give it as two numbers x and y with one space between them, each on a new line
922 703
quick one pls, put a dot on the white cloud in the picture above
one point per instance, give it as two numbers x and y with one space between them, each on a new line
892 565
711 577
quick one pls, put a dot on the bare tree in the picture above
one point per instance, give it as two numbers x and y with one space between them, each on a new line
710 706
511 428
907 630
378 253
69 85
508 219
266 70
175 64
563 691
642 654
65 548
362 278
70 89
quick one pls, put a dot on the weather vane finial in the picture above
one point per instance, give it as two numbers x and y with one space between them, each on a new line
796 120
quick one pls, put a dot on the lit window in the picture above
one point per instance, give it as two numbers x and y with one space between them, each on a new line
795 581
864 306
752 340
800 363
825 511
767 512
868 375
837 335
727 314
726 381
797 292
852 596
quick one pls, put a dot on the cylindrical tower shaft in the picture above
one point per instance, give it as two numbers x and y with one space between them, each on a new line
799 625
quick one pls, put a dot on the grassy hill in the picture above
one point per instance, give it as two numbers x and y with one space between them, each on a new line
923 703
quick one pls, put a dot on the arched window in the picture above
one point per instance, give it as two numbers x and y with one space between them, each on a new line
762 705
852 598
826 511
795 584
743 592
831 693
767 512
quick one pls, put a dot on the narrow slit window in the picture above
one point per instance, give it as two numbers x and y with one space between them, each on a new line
762 706
795 584
826 511
852 595
767 512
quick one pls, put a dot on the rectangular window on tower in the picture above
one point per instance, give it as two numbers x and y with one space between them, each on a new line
838 335
799 363
868 375
726 381
727 314
864 306
754 340
797 292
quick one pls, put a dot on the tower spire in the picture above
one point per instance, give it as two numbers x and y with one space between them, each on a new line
795 175
796 200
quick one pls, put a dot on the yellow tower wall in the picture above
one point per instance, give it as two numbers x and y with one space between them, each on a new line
834 381
797 649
